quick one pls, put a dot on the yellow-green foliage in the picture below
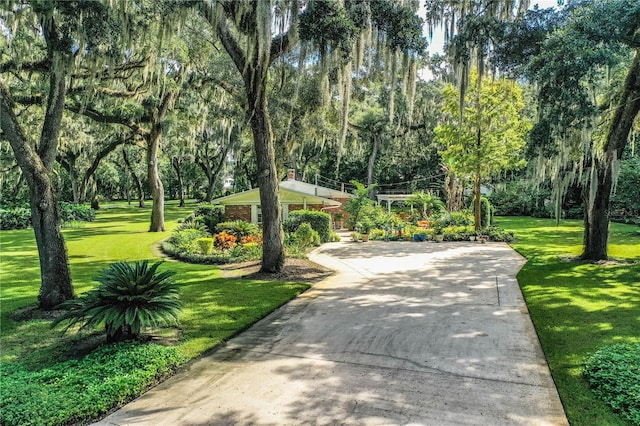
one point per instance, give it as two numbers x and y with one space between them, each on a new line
205 245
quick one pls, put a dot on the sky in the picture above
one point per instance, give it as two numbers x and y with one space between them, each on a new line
436 44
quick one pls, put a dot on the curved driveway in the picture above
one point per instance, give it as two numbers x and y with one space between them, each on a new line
404 333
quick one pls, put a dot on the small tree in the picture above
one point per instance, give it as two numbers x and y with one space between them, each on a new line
487 136
355 204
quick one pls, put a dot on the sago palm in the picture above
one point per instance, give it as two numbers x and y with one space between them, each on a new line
130 297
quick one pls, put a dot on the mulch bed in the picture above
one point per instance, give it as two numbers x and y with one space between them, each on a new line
298 270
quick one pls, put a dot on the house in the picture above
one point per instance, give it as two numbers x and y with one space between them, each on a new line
294 195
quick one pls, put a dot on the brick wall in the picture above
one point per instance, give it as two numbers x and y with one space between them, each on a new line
237 213
312 207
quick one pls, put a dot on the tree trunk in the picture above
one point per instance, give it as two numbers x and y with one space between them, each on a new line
153 146
273 246
55 275
372 160
136 181
177 166
596 233
155 183
477 205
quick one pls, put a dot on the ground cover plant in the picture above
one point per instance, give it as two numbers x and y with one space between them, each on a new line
64 367
577 307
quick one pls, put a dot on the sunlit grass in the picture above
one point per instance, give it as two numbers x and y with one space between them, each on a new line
578 307
215 308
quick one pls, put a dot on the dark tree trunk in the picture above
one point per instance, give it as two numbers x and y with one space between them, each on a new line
477 219
153 146
37 167
136 180
375 136
273 245
177 166
155 184
253 65
596 219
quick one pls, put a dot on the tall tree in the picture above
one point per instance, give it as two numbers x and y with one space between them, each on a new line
489 137
65 34
587 71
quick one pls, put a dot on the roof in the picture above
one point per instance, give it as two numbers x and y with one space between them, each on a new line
288 196
308 188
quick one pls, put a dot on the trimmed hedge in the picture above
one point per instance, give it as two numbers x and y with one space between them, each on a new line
78 390
319 221
613 372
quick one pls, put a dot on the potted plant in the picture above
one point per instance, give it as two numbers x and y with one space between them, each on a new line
364 227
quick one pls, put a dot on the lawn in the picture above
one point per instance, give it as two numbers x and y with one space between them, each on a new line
578 307
214 308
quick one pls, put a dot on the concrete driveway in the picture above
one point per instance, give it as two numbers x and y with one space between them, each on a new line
404 333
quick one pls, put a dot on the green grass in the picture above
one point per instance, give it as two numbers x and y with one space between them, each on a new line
214 308
578 307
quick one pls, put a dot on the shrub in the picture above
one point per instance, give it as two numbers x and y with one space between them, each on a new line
251 239
334 237
19 217
129 297
210 215
238 228
486 212
248 251
70 212
499 234
224 241
15 218
184 238
520 198
613 372
75 391
462 218
205 245
306 236
377 235
457 233
319 221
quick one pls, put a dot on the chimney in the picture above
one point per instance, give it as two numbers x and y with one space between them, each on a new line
291 174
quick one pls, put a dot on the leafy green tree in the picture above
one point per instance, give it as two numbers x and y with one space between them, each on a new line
587 71
60 38
489 136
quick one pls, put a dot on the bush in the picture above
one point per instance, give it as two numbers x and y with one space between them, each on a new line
499 234
486 212
184 238
19 217
520 198
210 215
15 218
205 245
457 233
319 221
613 372
377 235
238 228
70 212
462 218
75 391
129 297
306 236
224 241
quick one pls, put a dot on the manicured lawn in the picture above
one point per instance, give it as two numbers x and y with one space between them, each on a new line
578 307
214 308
